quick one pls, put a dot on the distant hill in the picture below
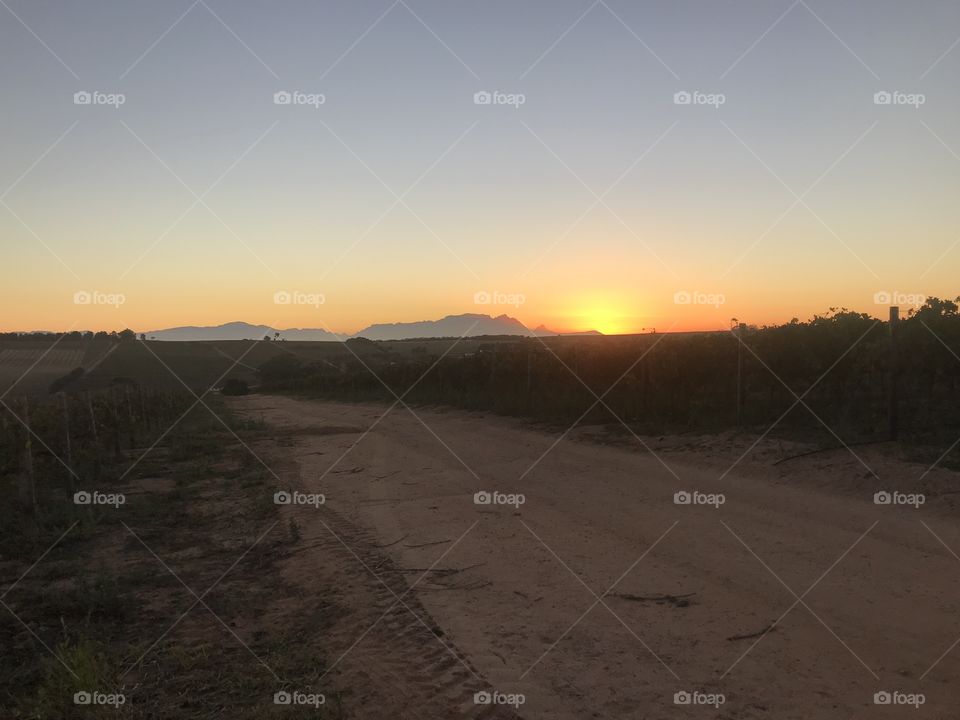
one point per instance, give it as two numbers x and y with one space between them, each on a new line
542 331
466 325
239 331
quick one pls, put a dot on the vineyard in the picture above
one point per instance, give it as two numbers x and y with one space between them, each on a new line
66 443
113 501
32 365
839 377
118 481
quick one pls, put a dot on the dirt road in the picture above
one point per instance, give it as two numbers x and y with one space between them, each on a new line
601 597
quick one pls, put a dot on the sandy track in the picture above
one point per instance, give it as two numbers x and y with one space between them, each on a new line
602 598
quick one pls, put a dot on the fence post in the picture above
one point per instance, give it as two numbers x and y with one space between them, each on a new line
115 414
644 379
131 417
741 386
26 485
529 371
893 413
66 433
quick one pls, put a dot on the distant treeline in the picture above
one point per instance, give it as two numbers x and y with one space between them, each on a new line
841 372
72 335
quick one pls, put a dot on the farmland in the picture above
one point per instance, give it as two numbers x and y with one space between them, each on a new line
393 567
29 366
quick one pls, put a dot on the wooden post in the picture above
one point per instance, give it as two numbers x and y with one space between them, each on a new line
93 418
130 417
529 371
644 373
893 414
66 435
116 424
741 386
143 408
96 437
26 486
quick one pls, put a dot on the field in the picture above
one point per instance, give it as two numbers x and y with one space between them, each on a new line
30 366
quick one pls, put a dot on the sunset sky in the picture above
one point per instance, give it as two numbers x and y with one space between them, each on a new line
599 202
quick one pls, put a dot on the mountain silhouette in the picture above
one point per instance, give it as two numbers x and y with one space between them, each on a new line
466 325
239 331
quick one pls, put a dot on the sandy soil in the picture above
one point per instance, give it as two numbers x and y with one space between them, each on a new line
600 597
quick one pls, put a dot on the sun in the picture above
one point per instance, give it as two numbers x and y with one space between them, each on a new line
606 324
603 315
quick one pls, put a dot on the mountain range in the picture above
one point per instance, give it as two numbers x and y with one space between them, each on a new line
466 325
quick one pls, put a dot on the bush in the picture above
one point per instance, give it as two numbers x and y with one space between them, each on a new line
235 386
280 368
61 382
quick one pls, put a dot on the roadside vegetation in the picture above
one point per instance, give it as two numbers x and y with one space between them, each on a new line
138 564
836 373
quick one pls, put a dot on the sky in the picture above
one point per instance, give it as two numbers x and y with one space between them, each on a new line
615 165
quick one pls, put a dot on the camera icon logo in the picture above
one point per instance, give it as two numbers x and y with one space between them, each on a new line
282 497
82 698
682 697
682 297
882 498
481 298
82 297
482 498
282 297
682 98
882 698
482 98
482 698
82 97
882 298
82 497
882 98
282 97
282 698
682 497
